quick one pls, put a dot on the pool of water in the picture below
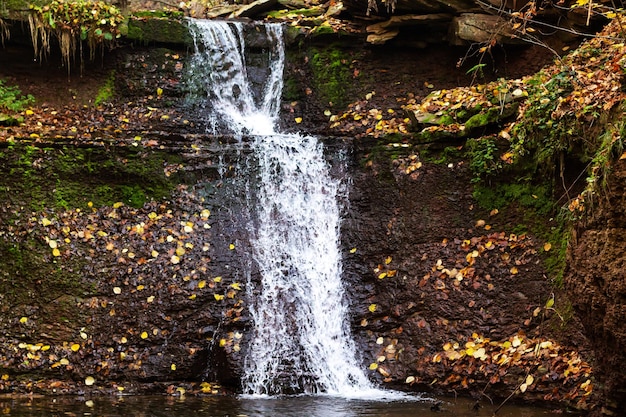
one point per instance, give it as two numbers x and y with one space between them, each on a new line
303 406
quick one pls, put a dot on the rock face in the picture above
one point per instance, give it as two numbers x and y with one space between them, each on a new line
597 285
158 290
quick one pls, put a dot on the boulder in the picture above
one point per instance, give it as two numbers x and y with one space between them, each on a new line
481 28
221 11
254 9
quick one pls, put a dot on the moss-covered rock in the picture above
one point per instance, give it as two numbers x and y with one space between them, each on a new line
154 30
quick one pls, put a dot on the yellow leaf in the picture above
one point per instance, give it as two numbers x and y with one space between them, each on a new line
298 119
56 252
514 270
118 204
173 367
144 335
159 91
29 112
150 299
205 214
547 246
372 308
218 297
180 251
23 320
175 259
217 279
382 275
231 246
373 366
64 361
89 381
75 347
387 260
236 286
550 303
480 353
45 222
201 284
222 342
154 253
353 250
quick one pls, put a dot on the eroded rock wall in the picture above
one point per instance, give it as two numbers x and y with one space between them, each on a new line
596 281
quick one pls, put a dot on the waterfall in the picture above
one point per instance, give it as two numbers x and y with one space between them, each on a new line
300 341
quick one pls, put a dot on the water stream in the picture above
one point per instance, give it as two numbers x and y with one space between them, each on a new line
300 342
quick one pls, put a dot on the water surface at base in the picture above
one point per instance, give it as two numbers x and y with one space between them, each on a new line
222 406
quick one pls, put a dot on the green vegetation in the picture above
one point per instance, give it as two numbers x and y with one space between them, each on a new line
107 91
12 99
76 177
331 74
171 30
72 22
484 158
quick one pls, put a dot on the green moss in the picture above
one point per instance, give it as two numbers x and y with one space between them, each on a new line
445 156
331 74
540 215
106 92
157 30
291 90
71 177
297 13
164 14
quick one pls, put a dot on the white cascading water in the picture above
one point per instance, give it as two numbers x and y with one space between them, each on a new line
301 341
